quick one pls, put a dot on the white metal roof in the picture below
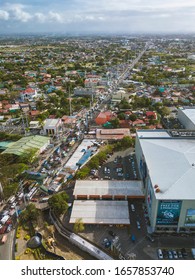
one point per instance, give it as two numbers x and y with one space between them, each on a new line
107 187
155 133
171 164
190 113
100 212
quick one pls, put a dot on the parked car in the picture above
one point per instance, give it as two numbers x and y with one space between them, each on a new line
175 256
170 255
138 225
180 256
184 253
132 207
159 254
111 233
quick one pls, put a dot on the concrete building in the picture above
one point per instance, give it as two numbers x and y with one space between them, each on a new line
52 126
166 162
186 115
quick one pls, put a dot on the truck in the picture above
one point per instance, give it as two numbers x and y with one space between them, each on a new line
193 252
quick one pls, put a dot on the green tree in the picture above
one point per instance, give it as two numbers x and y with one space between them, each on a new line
133 117
115 122
58 203
30 214
83 172
79 225
126 142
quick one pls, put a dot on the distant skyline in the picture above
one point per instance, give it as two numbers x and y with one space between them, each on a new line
87 16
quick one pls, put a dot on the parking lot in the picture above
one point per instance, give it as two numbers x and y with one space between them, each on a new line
119 166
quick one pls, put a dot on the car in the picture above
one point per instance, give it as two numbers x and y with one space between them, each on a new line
111 233
9 228
180 256
165 254
132 208
138 225
105 169
170 255
149 237
175 256
115 160
13 205
159 254
184 253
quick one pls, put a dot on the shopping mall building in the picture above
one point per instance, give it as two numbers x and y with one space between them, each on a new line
166 163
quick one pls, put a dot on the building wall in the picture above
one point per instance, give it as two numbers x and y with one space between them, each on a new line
185 121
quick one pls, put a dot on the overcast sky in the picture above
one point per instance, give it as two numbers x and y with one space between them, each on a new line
101 16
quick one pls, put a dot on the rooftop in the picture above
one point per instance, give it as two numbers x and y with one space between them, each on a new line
189 112
100 212
104 187
171 165
25 143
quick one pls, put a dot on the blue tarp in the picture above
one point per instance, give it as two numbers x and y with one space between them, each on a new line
84 158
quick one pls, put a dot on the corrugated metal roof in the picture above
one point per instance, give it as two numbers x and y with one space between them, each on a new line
100 212
104 187
19 147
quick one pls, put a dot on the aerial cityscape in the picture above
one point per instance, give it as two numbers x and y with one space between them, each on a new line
97 131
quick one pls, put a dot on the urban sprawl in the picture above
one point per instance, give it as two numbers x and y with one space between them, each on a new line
97 147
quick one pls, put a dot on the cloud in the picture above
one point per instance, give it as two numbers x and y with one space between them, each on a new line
53 16
18 13
40 17
4 15
112 15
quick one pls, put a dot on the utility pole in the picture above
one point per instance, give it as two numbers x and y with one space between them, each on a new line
70 104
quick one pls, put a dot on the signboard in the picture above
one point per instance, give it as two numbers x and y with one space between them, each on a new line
168 212
190 218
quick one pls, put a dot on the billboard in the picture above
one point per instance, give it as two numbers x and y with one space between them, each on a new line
168 212
190 218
